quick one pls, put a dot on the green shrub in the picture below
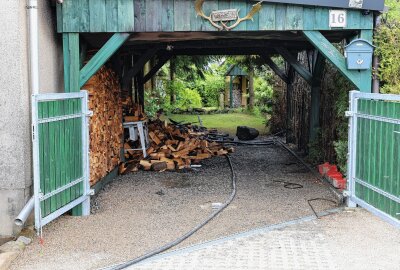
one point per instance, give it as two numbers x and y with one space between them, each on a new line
188 99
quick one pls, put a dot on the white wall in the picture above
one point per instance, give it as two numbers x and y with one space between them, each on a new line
15 135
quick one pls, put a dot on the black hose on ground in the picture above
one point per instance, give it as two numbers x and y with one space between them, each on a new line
338 195
189 233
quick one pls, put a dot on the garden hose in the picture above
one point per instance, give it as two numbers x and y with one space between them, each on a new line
186 235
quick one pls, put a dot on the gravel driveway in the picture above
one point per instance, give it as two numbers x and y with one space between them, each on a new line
139 212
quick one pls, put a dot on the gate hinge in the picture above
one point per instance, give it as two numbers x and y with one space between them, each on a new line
349 113
33 133
89 113
91 192
346 193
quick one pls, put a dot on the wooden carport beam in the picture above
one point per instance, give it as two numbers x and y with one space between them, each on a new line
281 74
139 64
101 57
303 72
337 59
161 61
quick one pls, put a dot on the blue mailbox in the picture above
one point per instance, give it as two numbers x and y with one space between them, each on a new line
359 54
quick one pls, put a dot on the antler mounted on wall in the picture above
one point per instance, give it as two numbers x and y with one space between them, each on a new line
199 11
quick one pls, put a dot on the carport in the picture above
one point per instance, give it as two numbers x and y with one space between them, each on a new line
126 34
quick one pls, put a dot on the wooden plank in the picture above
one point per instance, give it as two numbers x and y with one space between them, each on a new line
112 16
126 21
97 15
167 23
309 18
267 17
52 146
153 16
253 24
67 16
59 14
140 15
182 13
62 154
242 7
294 17
333 55
224 4
101 57
83 13
292 60
353 19
45 178
71 62
367 21
57 153
321 19
280 17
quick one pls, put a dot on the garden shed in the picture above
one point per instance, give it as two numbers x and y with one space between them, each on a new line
236 88
124 35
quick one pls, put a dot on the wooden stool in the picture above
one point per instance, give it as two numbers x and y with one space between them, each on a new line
138 130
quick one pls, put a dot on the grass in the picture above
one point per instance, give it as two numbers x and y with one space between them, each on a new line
224 122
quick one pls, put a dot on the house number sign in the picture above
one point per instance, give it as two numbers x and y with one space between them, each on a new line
338 18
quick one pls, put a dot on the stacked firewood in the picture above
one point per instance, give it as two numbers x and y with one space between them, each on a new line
106 123
172 147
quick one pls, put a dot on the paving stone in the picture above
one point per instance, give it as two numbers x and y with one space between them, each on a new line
25 240
280 250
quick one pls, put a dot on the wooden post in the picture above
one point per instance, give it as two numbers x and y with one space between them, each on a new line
231 92
318 69
71 62
289 90
140 88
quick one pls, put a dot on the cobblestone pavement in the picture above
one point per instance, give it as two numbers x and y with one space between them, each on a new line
307 243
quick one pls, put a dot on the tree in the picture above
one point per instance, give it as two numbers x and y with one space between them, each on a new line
387 40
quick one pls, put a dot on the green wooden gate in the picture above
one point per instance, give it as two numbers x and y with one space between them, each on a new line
374 154
60 155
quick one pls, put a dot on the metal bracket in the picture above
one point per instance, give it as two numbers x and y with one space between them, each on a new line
346 193
91 192
349 114
89 113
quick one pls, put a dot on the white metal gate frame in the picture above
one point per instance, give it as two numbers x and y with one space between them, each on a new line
354 115
38 194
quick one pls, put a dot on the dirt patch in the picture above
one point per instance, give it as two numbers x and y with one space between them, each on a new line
183 182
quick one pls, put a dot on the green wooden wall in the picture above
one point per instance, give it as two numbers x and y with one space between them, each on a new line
179 15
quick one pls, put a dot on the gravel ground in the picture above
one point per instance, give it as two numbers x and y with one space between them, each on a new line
139 212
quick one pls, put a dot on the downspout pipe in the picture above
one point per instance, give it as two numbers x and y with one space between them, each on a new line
25 212
32 10
33 46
